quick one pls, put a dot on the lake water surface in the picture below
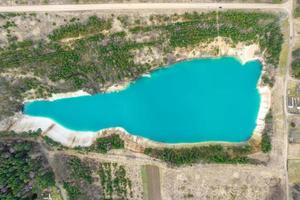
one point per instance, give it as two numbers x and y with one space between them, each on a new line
192 101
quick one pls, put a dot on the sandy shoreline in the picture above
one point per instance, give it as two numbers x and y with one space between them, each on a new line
72 138
56 96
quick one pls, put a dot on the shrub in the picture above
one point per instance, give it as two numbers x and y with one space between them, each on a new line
104 144
296 68
73 191
297 11
266 145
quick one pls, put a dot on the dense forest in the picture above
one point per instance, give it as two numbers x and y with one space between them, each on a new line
24 171
87 179
90 55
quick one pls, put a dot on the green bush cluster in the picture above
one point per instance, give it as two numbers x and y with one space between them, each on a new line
22 176
296 53
79 170
267 80
73 191
296 68
92 26
26 134
104 144
297 11
53 144
114 181
266 145
206 154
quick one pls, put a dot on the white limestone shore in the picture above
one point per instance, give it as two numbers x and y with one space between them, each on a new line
56 96
72 138
265 105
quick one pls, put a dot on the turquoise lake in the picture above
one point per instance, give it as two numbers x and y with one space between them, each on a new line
192 101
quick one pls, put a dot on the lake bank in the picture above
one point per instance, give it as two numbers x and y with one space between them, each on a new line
72 138
215 98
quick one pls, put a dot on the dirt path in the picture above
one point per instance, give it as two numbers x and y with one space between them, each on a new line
152 182
142 6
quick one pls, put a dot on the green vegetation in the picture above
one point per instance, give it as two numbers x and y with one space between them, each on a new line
296 53
114 181
296 63
296 68
297 11
267 80
22 175
93 25
73 191
53 144
205 154
26 134
78 181
89 55
145 180
104 144
276 1
79 170
77 177
266 145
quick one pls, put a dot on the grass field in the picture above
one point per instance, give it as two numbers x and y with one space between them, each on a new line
285 47
151 182
294 172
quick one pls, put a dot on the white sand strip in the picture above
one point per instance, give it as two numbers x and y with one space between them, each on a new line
56 96
265 104
58 133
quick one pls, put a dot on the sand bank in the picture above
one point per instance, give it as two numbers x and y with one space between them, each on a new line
221 47
265 104
56 96
51 129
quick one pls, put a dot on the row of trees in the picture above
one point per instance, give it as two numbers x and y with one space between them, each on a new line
205 154
92 26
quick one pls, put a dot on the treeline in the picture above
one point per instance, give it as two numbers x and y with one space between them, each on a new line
202 154
296 63
266 145
239 26
24 134
92 26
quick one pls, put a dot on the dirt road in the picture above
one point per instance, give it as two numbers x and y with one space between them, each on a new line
141 6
